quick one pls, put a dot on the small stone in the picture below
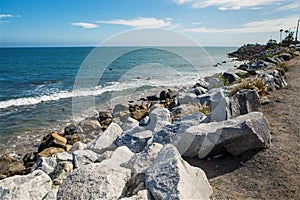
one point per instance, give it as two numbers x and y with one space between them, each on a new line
50 151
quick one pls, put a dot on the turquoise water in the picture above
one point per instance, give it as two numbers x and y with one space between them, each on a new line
38 85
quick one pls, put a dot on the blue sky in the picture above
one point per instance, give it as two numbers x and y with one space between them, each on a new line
88 22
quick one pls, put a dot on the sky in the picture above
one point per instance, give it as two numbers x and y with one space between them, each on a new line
90 22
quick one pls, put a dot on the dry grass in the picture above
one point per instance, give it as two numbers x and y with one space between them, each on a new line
205 109
251 84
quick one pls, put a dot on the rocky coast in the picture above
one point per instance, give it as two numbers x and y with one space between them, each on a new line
197 142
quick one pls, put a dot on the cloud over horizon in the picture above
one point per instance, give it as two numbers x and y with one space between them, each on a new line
84 25
140 22
228 4
271 25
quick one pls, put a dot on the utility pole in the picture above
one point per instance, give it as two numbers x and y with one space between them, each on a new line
296 40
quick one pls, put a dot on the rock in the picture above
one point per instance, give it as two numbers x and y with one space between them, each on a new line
273 79
119 108
215 83
187 98
170 177
94 181
163 95
104 156
105 141
230 76
64 156
271 60
245 132
52 140
46 164
243 102
11 166
173 134
141 195
50 151
159 117
32 186
145 121
60 172
89 126
218 104
285 56
135 141
29 159
51 195
201 83
139 114
185 109
70 130
105 119
84 157
118 158
152 98
130 123
77 146
140 162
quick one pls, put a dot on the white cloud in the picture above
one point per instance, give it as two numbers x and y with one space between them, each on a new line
273 25
84 25
5 15
140 22
292 6
228 4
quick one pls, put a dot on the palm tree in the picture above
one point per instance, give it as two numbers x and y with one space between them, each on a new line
281 30
286 33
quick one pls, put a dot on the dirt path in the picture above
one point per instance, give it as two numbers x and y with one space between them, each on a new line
273 173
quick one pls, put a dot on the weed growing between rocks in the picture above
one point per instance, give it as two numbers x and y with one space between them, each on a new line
251 84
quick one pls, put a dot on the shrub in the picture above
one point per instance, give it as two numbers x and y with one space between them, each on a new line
284 66
251 84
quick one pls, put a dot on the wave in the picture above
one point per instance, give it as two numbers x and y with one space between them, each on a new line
98 90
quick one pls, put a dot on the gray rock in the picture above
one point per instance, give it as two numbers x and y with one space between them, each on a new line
118 158
140 162
31 186
243 102
285 56
51 195
46 164
245 132
60 172
230 76
271 60
218 102
94 181
215 83
272 78
105 141
173 133
145 121
159 117
89 126
84 157
187 98
135 141
77 146
64 156
141 195
170 177
129 124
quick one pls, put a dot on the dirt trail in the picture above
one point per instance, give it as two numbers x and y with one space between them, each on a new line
273 173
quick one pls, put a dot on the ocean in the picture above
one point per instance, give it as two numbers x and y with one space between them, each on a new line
43 89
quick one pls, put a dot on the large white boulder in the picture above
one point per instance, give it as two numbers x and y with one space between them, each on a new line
246 132
159 117
170 177
106 140
31 186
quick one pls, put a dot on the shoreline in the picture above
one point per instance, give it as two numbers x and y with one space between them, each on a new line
129 118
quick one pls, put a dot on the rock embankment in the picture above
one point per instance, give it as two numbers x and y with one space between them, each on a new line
137 150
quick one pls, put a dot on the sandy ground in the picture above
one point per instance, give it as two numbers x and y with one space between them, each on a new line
272 173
